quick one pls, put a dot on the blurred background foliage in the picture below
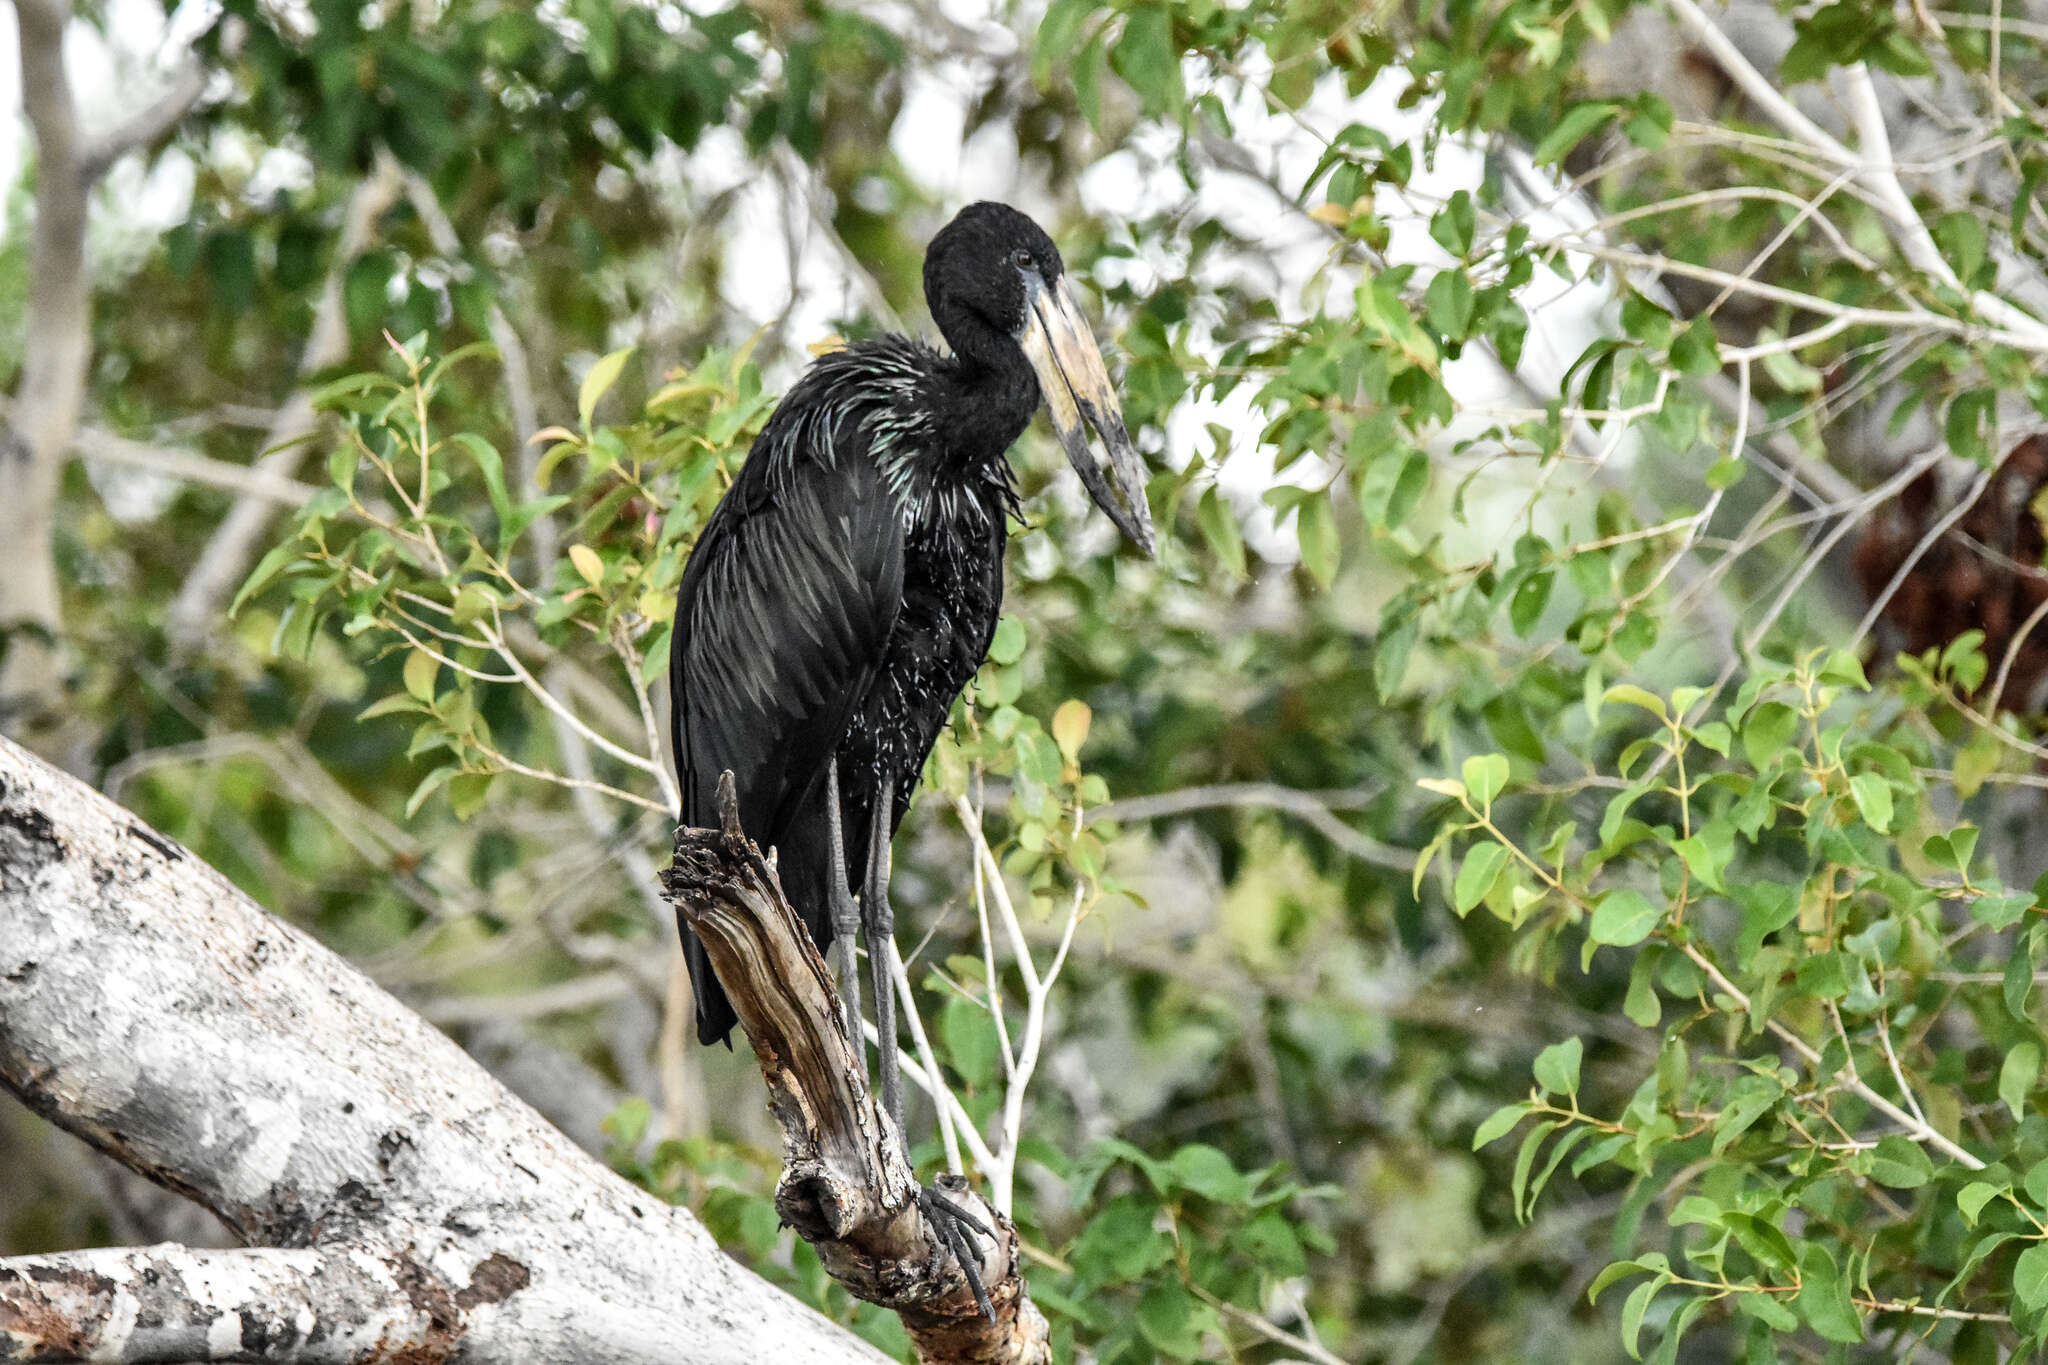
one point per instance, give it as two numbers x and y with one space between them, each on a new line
1507 366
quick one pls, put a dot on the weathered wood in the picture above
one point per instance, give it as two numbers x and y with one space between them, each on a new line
152 1009
847 1187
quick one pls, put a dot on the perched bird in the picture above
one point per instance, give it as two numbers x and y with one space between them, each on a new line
847 586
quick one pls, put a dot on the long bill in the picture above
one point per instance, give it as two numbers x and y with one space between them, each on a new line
1077 388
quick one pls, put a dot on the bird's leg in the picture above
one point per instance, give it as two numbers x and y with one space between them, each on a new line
879 920
947 1219
845 917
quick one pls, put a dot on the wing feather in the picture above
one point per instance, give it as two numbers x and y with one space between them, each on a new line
781 620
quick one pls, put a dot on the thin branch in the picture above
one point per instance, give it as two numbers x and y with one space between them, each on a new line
1312 808
949 1138
148 125
1919 1130
253 481
1762 91
564 997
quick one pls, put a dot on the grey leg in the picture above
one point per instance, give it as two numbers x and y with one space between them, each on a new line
879 920
948 1219
845 917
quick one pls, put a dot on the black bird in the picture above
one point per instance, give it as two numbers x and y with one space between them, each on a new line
848 584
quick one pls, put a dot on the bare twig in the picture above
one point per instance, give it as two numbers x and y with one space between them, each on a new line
1312 808
148 125
249 480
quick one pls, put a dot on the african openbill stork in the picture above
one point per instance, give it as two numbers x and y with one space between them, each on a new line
848 584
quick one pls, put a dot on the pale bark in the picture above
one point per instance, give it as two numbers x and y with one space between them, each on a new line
51 392
52 386
152 1009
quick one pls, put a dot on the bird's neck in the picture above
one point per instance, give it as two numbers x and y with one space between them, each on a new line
982 409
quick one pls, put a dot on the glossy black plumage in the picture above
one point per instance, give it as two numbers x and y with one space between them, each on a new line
847 587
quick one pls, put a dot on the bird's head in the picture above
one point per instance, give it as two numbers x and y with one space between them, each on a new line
997 287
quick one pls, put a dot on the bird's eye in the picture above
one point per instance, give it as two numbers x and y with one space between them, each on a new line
1023 259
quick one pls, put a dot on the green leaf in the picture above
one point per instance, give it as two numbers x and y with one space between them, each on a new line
1455 224
421 668
492 466
1874 799
1149 61
466 793
1008 644
1621 1270
1447 304
1476 875
2017 1076
1972 1198
1525 1161
1220 529
1748 1099
1694 353
266 569
1632 695
972 1045
1845 669
1900 1163
1167 1315
1485 775
1768 1309
1557 1067
1315 528
1823 1298
2001 912
341 466
2030 1277
1532 595
597 380
1578 123
430 784
1206 1171
1624 918
1641 1004
1499 1124
397 701
1632 1311
1767 733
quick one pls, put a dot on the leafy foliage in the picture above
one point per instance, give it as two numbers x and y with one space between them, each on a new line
1511 399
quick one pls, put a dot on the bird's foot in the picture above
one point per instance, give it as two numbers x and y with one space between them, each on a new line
953 1224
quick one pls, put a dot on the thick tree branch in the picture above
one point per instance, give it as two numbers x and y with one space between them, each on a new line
847 1187
152 1009
170 1303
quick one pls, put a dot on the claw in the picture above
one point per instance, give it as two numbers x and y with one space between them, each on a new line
951 1222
